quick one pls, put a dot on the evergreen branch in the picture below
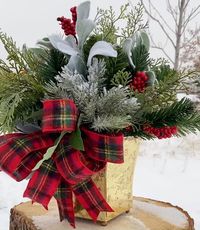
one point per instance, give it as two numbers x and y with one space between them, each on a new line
164 93
20 95
122 78
110 123
140 58
172 114
106 21
140 134
181 114
134 22
49 64
114 65
189 124
15 57
115 102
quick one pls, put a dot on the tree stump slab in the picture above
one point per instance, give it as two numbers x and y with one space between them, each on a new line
146 214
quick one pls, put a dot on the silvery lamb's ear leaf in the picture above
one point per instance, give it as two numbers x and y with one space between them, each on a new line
45 43
84 28
66 49
63 46
145 39
27 127
127 47
83 10
38 51
55 39
137 39
101 48
141 37
70 39
76 64
152 78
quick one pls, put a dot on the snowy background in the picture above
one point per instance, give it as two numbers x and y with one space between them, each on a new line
167 170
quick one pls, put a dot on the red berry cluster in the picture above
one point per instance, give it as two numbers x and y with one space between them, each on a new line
129 129
139 82
68 25
164 132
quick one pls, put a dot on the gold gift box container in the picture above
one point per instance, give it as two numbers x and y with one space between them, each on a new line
115 183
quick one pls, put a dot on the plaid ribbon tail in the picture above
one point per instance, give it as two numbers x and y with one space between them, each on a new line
43 184
64 200
19 153
90 198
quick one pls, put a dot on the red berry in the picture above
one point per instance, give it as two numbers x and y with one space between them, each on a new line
163 132
139 82
69 25
129 128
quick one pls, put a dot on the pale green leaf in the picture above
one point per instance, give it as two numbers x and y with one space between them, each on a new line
101 48
76 64
50 151
83 10
127 47
84 29
145 39
152 78
65 46
76 140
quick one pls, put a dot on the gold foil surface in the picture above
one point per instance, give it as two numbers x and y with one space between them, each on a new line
115 183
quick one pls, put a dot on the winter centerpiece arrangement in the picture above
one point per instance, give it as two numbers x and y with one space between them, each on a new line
66 106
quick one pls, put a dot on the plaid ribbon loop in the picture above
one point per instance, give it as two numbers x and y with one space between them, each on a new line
68 171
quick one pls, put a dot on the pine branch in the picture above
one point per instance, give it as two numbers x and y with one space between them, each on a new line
170 115
181 114
164 72
50 64
140 58
140 134
110 123
112 102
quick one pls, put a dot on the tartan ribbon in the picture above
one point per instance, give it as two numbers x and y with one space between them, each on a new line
68 171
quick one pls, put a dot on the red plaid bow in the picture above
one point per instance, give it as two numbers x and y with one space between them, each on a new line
68 171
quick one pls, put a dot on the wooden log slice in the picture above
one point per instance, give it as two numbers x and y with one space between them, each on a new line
146 214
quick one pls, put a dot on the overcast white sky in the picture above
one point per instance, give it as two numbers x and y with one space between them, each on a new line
29 20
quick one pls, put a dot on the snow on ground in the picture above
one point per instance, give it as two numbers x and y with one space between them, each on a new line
167 170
